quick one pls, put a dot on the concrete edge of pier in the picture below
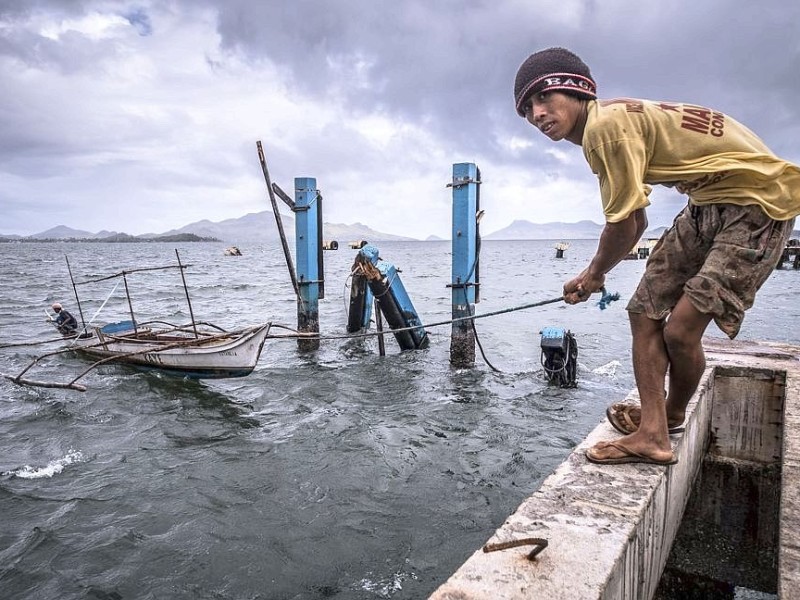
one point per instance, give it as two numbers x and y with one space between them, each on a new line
610 528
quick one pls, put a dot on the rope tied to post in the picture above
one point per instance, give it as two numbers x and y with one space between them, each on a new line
472 317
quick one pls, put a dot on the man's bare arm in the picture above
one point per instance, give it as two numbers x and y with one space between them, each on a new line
616 240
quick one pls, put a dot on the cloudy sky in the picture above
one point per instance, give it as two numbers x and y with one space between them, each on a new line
143 116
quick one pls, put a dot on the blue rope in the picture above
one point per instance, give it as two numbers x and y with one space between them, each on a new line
606 298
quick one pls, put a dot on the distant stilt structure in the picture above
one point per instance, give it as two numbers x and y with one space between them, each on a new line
790 254
645 246
633 254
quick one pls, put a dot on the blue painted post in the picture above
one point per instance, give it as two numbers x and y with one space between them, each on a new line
465 204
307 249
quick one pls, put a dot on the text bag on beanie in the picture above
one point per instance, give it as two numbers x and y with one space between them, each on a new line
554 69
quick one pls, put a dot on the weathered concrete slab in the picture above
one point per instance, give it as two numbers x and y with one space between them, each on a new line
747 417
789 550
783 357
610 528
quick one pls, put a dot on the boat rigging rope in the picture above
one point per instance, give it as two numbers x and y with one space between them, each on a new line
97 313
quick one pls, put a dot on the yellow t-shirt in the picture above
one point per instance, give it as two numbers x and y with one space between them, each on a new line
703 153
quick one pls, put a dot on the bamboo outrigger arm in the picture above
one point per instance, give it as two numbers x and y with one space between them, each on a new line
45 384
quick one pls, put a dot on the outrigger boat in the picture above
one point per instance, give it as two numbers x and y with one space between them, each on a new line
198 354
199 350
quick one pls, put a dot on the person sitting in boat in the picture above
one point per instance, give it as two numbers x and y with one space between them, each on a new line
64 321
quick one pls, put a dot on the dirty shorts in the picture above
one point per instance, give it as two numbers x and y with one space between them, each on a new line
718 255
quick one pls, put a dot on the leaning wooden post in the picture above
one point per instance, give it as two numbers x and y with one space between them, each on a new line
307 248
379 327
465 262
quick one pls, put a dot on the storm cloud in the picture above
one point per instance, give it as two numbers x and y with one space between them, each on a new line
143 116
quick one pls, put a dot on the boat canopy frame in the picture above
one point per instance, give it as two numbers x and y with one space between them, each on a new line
124 275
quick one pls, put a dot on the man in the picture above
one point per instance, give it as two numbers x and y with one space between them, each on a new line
65 323
707 266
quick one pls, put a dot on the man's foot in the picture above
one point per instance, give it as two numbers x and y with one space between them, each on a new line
625 418
616 453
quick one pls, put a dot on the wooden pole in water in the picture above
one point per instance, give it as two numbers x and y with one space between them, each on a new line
278 221
379 327
465 261
186 291
307 240
130 304
75 291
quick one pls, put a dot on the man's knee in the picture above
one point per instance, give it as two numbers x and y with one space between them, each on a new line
686 325
680 335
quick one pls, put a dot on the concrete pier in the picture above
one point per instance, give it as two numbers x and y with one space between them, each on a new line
611 529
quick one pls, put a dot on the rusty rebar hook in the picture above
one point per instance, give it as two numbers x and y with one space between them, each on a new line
538 544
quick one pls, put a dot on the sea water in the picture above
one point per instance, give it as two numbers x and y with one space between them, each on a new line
332 474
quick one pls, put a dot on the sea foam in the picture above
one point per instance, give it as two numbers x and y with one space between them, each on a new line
52 468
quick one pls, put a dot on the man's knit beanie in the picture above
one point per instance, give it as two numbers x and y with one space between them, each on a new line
553 69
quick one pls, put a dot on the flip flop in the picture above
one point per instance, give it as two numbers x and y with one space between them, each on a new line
628 456
618 414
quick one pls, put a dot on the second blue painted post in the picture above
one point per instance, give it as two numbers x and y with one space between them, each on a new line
465 204
307 249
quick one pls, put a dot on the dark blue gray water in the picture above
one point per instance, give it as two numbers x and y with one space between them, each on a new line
337 474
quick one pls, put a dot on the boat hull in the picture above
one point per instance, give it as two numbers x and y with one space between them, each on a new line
214 357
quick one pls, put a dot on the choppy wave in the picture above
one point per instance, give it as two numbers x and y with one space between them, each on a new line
386 587
49 470
609 369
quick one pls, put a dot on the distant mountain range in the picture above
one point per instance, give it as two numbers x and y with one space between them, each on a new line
261 226
525 230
